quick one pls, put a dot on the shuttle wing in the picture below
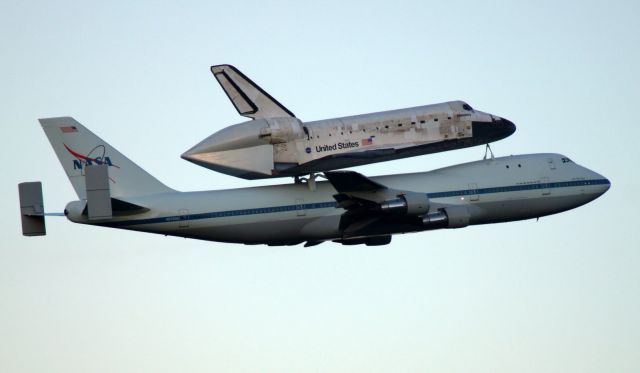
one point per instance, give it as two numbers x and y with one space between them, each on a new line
248 98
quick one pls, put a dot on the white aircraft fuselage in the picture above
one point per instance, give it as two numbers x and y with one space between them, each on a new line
489 191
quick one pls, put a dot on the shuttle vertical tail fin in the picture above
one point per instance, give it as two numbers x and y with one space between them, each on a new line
249 99
77 148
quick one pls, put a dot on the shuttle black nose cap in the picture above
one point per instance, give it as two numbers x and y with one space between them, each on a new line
508 126
495 130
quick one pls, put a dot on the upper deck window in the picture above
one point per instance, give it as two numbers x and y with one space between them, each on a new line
467 107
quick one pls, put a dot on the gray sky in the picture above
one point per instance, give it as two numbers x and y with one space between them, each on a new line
558 295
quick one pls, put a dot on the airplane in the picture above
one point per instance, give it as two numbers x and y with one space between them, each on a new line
348 208
275 143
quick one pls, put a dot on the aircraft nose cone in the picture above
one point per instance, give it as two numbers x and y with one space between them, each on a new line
605 184
596 184
495 130
507 127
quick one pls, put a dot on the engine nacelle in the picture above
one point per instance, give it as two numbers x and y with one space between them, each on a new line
458 216
409 203
449 217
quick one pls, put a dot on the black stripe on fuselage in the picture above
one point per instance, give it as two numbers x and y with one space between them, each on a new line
332 204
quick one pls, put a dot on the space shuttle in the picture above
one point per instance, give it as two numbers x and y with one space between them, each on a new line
276 143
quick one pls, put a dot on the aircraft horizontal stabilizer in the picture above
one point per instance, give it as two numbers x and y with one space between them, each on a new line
248 98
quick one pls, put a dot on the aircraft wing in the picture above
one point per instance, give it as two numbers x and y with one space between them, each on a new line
356 192
248 98
350 181
369 203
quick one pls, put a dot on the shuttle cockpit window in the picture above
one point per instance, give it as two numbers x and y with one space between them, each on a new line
467 107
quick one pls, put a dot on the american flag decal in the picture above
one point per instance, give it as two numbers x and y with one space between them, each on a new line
69 129
368 141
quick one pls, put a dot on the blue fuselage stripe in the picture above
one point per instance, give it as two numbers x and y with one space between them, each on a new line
332 204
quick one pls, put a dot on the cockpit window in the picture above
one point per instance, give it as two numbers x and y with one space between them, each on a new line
467 107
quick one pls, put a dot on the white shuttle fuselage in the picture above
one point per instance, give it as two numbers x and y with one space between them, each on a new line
275 143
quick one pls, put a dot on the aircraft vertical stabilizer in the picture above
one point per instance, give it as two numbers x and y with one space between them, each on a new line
77 148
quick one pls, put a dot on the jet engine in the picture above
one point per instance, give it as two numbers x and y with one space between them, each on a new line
417 204
448 217
408 203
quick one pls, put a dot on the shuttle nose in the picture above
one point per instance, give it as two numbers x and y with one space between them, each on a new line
495 130
507 126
